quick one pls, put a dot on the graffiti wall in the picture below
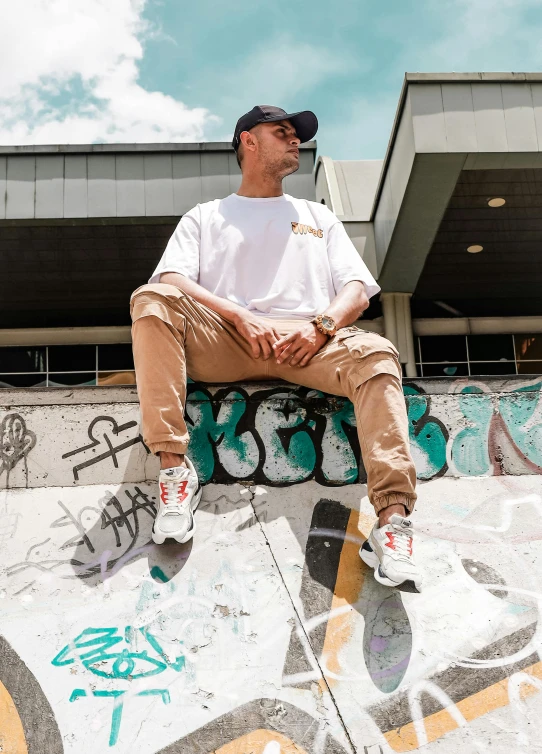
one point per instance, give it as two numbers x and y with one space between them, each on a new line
273 435
267 634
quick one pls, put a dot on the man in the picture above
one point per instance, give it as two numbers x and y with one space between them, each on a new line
259 286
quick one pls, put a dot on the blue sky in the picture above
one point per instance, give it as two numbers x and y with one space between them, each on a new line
160 70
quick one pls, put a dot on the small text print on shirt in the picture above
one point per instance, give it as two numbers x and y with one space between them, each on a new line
300 229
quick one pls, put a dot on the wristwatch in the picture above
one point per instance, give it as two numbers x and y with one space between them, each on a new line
325 324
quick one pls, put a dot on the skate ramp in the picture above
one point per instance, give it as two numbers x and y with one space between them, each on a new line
267 634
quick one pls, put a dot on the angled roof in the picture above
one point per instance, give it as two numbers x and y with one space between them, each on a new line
445 125
352 185
82 181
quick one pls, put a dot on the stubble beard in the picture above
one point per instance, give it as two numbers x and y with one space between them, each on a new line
277 170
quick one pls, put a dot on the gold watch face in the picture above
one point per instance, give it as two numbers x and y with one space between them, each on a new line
328 323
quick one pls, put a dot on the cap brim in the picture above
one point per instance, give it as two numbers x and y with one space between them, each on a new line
304 122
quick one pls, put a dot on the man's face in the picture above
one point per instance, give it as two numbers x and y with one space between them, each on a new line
278 148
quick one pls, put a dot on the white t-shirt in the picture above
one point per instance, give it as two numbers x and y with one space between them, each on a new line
278 257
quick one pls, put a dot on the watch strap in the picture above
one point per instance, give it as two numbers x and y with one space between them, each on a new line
322 328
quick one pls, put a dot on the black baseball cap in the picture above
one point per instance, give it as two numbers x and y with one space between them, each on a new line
304 122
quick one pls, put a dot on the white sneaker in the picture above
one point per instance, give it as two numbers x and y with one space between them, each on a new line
389 552
180 493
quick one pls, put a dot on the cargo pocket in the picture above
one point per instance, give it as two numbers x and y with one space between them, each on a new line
371 353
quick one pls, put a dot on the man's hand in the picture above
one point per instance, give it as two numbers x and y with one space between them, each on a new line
299 346
257 331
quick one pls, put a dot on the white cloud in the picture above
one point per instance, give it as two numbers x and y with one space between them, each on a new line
69 74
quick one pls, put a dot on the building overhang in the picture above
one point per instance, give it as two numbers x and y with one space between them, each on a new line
446 124
448 130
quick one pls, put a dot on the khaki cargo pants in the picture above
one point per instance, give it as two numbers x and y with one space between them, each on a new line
174 336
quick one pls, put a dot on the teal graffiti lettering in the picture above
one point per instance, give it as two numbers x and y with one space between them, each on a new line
76 694
517 410
158 574
118 705
469 448
213 429
287 436
93 647
428 436
339 463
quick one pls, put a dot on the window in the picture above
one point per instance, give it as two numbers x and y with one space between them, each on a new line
23 367
116 364
66 366
478 355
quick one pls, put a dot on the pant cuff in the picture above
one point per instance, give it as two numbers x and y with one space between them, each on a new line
168 447
394 498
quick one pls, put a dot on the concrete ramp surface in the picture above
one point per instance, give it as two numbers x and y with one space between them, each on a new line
267 634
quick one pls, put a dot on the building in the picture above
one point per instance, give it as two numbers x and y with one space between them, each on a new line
266 632
450 223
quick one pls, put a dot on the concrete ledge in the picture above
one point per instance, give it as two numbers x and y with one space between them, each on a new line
268 433
53 396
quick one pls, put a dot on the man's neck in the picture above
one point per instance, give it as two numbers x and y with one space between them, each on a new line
259 186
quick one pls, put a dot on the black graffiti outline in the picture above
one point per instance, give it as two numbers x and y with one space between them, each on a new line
298 398
425 419
16 442
112 452
83 570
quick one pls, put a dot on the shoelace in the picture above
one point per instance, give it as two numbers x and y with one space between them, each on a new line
173 507
402 542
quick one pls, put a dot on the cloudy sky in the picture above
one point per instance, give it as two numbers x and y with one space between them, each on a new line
82 71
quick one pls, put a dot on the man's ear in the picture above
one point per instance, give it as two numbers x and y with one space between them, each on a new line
248 140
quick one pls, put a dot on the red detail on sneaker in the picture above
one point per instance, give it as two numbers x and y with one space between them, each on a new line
181 492
410 543
391 543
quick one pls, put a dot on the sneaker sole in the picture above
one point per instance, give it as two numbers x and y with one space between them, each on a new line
159 537
370 558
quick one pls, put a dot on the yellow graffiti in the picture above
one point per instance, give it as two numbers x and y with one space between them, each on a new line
348 585
12 738
440 723
255 743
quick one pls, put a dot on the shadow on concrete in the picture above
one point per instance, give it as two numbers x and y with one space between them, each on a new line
387 638
120 535
334 575
255 726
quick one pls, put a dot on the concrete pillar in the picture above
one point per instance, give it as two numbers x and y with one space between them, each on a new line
398 327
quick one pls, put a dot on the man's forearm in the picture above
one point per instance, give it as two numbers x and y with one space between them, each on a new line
349 304
345 308
300 346
227 309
